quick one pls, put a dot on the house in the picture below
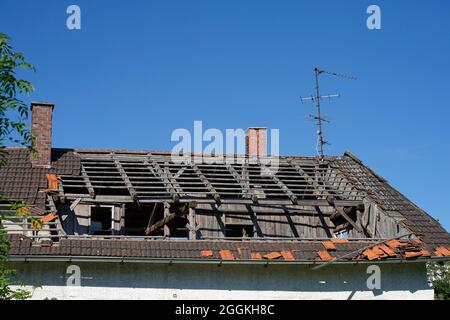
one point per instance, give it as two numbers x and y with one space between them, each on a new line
118 224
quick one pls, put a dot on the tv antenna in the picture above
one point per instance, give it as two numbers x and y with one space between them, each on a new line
321 142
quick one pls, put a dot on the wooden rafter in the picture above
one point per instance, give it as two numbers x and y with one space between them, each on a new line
125 178
206 182
178 174
314 182
75 203
147 230
158 172
245 186
160 223
302 173
342 212
155 178
51 203
87 181
283 187
184 210
192 225
172 180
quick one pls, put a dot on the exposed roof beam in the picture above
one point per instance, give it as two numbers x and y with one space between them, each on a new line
160 223
51 203
87 181
147 230
312 181
283 187
125 178
75 203
173 181
163 175
342 212
185 209
244 184
304 174
206 182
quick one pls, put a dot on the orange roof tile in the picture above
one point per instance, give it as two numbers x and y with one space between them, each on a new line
339 240
256 256
412 254
206 253
442 251
287 255
329 245
393 243
272 255
52 181
49 217
226 255
370 254
324 255
387 250
379 252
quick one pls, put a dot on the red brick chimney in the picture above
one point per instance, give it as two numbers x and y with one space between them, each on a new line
41 128
256 141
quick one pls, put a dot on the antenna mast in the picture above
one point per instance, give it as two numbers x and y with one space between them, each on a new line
318 117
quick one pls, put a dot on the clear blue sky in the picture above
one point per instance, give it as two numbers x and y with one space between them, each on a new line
139 69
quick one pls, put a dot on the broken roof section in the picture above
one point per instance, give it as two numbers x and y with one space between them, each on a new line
150 176
154 177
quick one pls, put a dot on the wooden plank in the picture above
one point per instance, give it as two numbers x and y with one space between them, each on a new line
245 186
51 204
179 173
359 221
192 224
87 182
341 211
166 216
284 188
173 182
151 218
74 204
160 223
207 184
125 178
158 172
329 233
169 216
303 174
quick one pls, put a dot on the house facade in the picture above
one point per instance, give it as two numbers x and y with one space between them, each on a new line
121 224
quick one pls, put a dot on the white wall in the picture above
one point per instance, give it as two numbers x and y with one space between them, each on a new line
134 281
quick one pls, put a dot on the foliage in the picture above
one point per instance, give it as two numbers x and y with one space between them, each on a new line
439 275
13 111
13 114
7 274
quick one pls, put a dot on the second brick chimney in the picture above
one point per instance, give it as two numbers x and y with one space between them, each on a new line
256 142
41 129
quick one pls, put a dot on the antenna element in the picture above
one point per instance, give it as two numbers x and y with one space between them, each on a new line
318 117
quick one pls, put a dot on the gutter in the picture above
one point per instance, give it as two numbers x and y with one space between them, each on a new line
210 261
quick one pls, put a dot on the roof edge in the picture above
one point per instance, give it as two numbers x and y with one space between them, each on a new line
360 162
100 259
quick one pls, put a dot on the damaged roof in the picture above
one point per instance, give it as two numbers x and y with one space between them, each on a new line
139 175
